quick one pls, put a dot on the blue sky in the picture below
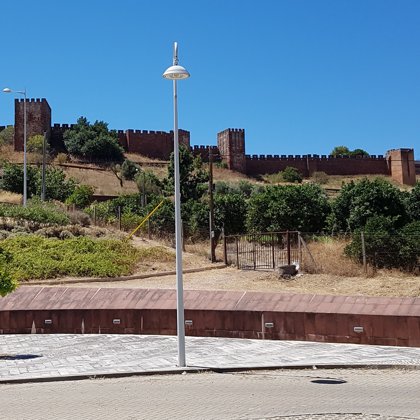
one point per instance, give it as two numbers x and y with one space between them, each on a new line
300 76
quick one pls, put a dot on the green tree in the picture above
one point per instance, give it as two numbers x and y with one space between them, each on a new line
230 212
148 184
8 283
340 151
129 169
7 135
288 207
359 152
359 201
413 203
93 141
13 179
193 177
35 144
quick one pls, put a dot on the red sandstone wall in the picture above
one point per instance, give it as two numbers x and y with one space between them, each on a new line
258 165
402 165
38 114
327 327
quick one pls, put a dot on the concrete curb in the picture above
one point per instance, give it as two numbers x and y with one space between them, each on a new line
55 282
203 369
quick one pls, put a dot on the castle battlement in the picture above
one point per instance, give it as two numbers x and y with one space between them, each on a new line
230 148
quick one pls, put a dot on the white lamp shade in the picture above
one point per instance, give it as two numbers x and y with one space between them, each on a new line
7 90
176 73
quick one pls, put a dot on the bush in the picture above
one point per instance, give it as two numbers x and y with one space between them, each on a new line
230 213
35 211
57 186
8 282
81 196
35 257
320 177
290 174
387 247
360 201
7 135
62 158
413 203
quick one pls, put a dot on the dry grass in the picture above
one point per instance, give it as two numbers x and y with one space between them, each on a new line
11 198
8 153
104 182
329 258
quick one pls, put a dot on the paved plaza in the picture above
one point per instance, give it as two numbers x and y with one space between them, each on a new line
65 356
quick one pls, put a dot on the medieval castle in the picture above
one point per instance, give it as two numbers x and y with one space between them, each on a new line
398 163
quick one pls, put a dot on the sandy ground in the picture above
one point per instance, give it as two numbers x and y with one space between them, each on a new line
230 278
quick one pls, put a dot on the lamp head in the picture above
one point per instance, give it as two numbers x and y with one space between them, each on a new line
7 90
176 72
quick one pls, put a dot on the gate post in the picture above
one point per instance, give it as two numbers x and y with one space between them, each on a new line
288 247
272 250
237 251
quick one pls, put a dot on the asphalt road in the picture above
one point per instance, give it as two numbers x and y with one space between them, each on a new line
295 394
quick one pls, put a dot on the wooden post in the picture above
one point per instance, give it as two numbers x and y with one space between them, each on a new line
225 259
94 214
288 248
272 250
119 217
362 237
237 252
211 205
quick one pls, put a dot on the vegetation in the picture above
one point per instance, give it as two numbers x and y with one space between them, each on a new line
35 257
57 186
36 211
35 144
81 196
7 135
288 207
345 151
93 142
129 169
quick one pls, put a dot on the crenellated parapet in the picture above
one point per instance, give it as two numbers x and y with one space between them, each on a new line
204 152
231 144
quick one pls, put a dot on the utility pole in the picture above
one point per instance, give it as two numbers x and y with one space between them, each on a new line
44 157
211 205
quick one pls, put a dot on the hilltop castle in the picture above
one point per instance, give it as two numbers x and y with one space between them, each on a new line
398 163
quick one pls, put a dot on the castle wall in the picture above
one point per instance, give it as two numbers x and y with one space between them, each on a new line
154 144
38 114
308 164
231 144
203 152
402 166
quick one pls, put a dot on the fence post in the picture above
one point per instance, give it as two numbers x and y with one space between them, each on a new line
299 249
288 248
237 252
224 246
182 236
119 217
254 253
362 237
272 250
94 215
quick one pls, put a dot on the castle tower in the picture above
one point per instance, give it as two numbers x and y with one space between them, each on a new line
231 144
401 165
38 114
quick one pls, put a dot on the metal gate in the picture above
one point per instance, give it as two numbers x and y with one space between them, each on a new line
264 250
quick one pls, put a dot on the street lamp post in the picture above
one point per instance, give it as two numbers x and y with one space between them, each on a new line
175 73
25 175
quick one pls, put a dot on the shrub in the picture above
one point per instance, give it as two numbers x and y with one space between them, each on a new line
62 158
35 257
35 144
81 196
360 201
35 211
290 174
8 282
320 177
413 203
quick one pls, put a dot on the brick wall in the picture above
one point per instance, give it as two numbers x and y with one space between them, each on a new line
231 144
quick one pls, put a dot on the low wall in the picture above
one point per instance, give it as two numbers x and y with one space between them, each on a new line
385 321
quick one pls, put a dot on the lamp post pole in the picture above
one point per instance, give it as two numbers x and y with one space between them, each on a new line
25 173
175 73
